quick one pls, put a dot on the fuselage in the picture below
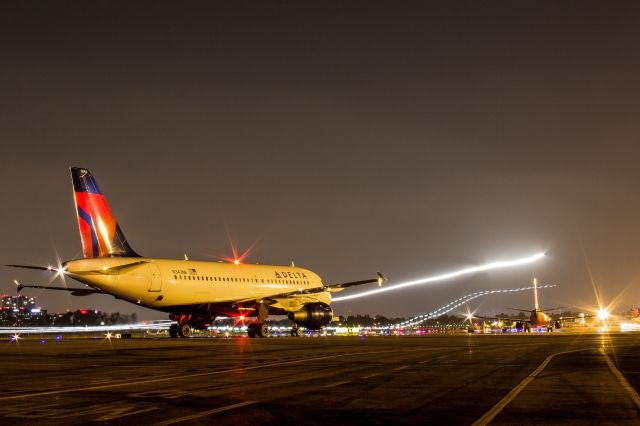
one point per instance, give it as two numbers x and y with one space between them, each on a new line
168 284
538 319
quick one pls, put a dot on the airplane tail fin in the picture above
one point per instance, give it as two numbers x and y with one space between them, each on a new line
100 233
535 294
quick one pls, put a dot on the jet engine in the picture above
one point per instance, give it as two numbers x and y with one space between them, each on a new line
313 316
558 324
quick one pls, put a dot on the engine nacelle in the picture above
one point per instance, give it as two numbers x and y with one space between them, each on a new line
313 316
558 324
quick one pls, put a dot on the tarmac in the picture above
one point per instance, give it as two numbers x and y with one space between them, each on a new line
435 379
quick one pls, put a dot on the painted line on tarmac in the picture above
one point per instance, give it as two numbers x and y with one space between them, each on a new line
491 414
333 385
623 381
206 413
402 367
164 378
368 376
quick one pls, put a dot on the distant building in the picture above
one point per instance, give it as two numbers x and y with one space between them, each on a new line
20 310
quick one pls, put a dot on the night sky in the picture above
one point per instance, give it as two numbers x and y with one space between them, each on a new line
410 138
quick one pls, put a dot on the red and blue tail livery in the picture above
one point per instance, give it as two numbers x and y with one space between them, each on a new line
99 231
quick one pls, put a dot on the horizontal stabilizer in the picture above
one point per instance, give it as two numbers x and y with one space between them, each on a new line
552 309
41 268
74 291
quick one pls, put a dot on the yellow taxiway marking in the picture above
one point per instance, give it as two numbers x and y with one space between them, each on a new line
206 413
167 377
625 384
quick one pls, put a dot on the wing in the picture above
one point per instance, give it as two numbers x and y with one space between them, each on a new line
574 318
380 280
506 319
331 288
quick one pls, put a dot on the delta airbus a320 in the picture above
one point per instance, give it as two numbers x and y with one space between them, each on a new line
194 293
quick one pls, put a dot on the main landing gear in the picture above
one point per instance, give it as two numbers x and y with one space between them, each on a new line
180 330
295 330
259 329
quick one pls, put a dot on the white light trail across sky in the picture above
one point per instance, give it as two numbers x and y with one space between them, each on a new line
461 301
446 276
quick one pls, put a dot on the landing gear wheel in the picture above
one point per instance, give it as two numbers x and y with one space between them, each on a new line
184 330
263 330
296 332
173 330
251 330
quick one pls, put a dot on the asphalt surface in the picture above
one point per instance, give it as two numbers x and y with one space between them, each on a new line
459 379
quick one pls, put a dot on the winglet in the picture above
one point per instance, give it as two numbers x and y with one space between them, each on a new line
18 285
381 279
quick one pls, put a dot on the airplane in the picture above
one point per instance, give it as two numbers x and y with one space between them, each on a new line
538 318
194 293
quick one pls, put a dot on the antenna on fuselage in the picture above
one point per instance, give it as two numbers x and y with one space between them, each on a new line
535 294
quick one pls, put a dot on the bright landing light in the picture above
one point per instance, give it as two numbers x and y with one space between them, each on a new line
449 275
603 314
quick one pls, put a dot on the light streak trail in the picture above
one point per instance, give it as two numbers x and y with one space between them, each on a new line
459 302
155 325
446 276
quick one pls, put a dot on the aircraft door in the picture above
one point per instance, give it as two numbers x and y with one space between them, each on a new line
156 279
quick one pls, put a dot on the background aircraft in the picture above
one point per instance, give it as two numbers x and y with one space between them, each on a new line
194 293
538 318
